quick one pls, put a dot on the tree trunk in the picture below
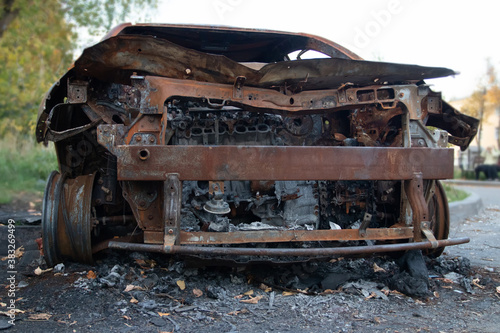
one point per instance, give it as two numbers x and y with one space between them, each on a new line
7 15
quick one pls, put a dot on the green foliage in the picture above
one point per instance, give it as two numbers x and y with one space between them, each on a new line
24 166
485 100
100 16
454 194
37 41
34 51
37 47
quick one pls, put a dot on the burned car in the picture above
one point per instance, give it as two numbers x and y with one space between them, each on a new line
216 142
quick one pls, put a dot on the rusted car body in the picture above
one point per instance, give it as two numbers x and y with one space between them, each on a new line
211 141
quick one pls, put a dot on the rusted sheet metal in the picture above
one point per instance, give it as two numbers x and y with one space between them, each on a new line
281 163
116 59
274 252
241 44
414 189
462 128
271 236
172 192
156 90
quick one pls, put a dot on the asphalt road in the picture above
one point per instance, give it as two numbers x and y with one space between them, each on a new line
483 230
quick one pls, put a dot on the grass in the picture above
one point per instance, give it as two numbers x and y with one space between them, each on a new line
24 167
454 194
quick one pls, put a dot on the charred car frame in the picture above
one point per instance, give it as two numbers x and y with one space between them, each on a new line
212 141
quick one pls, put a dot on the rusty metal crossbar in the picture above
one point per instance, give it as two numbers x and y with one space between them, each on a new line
271 236
277 252
149 163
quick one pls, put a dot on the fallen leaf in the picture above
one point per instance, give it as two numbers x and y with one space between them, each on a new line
19 252
197 292
377 268
39 243
140 262
397 293
181 284
126 317
91 275
266 288
419 302
237 312
39 271
373 294
8 313
377 320
40 316
131 287
163 314
238 296
288 293
248 293
436 294
476 283
134 301
151 263
498 289
252 300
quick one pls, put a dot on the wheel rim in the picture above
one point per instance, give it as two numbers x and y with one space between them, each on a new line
439 218
50 207
67 218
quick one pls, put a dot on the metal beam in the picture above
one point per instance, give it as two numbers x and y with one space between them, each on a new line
271 236
148 163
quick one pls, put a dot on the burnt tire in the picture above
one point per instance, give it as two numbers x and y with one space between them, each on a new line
66 218
439 217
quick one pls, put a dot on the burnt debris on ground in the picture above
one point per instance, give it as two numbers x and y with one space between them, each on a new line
127 290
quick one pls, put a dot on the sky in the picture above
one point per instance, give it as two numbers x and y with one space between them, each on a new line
460 35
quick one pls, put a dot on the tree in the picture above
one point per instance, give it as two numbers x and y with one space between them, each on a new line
484 100
37 39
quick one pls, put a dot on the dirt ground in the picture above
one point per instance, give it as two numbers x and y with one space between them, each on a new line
131 291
